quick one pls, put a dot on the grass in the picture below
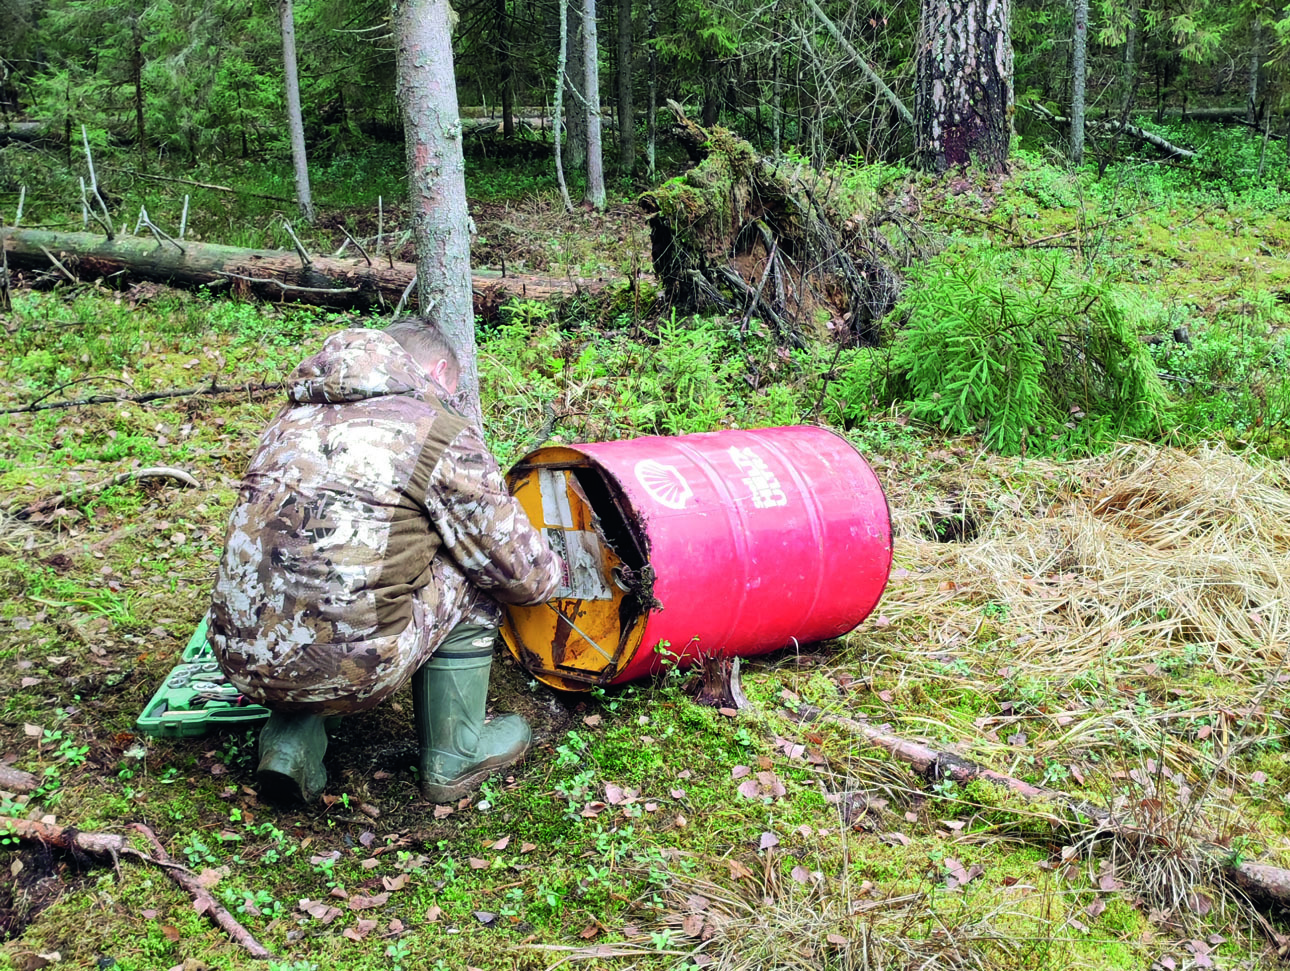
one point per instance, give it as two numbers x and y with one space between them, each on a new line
1112 626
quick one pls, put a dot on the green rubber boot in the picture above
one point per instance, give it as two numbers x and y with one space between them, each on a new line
291 757
458 748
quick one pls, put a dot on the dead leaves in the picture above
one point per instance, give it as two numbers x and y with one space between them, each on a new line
764 785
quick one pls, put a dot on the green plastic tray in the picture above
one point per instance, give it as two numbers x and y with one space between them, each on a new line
196 697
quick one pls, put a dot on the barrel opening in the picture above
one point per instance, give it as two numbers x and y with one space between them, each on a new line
619 530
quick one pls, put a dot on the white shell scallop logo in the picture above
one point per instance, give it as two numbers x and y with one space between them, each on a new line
665 483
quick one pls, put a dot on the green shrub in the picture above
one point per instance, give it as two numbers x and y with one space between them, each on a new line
1026 352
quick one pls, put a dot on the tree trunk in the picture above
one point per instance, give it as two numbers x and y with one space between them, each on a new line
1256 62
576 113
964 85
295 123
505 72
651 144
1079 73
557 116
1129 80
776 93
626 111
277 275
595 196
136 69
427 92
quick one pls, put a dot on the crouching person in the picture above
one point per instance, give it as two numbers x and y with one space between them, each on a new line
371 542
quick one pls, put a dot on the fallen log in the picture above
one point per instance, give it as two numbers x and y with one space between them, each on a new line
1133 131
16 780
40 404
45 506
116 847
1270 884
278 275
739 234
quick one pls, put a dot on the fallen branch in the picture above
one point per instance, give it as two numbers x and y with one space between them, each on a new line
1257 880
16 780
100 399
154 472
115 847
1133 131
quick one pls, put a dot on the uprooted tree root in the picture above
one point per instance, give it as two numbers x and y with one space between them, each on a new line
116 848
739 234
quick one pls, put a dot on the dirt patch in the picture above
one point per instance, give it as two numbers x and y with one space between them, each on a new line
38 877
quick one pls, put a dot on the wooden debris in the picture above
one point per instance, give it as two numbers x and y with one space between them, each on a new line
116 847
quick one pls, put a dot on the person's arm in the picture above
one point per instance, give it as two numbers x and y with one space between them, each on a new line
485 530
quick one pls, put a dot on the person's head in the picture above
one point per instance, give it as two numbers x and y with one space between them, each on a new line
421 338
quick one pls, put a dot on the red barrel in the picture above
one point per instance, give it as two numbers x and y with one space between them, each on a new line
739 542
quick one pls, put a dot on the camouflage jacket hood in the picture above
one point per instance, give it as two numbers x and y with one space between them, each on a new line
365 494
357 364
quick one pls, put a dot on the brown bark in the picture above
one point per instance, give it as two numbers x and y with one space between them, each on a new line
276 275
626 112
1261 882
16 780
114 847
964 102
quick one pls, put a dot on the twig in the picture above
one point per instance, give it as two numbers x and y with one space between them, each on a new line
407 292
183 219
115 847
53 259
202 899
289 286
22 198
357 245
761 285
102 399
94 185
48 505
380 223
159 234
87 211
204 185
1259 880
300 248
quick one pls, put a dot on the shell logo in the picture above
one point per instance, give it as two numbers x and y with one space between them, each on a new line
665 483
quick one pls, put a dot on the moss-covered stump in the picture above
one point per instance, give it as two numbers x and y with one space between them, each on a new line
739 234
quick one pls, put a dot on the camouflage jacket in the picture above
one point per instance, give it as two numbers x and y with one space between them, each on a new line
361 486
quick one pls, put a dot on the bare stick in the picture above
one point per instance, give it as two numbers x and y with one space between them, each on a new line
1259 880
159 234
300 248
407 292
205 185
115 847
22 198
861 63
53 259
752 304
288 287
357 245
380 222
101 399
94 184
48 505
85 207
183 220
138 223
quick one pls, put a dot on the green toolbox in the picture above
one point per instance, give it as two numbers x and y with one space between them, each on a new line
196 697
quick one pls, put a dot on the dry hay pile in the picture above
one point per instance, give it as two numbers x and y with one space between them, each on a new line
1145 556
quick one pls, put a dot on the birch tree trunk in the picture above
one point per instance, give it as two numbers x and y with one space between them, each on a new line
427 91
1079 73
295 123
964 100
591 92
626 111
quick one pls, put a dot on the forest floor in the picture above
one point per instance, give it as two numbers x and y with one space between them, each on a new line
1113 627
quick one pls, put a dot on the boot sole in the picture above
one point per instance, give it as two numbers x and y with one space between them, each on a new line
462 786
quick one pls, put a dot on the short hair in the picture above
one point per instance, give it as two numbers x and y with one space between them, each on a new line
421 337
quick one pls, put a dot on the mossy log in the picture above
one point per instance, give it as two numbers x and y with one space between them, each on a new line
277 275
739 234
